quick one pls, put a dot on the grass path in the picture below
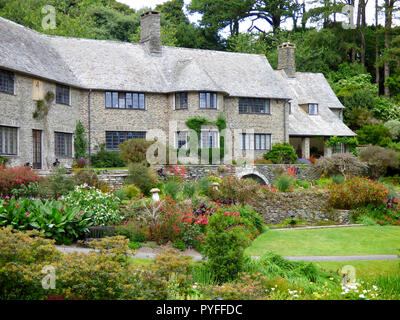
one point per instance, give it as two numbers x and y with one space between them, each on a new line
366 240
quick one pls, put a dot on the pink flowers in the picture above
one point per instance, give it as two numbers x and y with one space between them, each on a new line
77 216
27 214
81 212
17 205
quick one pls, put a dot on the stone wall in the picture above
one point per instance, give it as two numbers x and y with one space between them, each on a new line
311 206
17 111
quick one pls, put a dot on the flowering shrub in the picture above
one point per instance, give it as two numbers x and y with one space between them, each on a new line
55 219
14 177
102 208
357 192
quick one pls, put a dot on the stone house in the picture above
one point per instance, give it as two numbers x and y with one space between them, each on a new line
121 91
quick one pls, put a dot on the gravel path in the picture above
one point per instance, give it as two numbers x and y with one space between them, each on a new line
197 257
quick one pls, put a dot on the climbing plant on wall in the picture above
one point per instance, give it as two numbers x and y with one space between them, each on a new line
350 141
43 106
196 123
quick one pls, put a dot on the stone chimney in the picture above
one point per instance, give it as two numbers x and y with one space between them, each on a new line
150 31
286 58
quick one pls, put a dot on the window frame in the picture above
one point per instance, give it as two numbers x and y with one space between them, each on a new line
252 108
178 139
67 144
255 135
117 96
339 148
63 87
117 139
217 140
210 98
315 105
11 78
14 138
179 94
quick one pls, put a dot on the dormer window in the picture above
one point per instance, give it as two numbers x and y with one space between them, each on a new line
312 109
6 82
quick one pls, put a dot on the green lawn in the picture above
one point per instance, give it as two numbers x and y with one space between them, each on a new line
328 242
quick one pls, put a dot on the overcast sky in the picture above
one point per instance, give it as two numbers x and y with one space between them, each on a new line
139 4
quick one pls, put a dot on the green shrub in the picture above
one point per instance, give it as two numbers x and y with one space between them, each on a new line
394 129
107 159
179 244
204 185
131 192
281 153
377 135
249 213
133 231
3 161
338 179
57 220
189 190
56 184
303 183
102 208
172 188
142 177
224 246
80 141
31 190
366 220
134 150
283 182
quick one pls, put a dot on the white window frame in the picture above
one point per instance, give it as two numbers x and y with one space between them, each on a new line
211 133
253 141
313 109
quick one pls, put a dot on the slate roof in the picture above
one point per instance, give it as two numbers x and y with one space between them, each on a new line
307 88
112 65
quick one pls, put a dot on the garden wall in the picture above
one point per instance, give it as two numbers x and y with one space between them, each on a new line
311 206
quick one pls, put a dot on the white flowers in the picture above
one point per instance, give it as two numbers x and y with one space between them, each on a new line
354 289
101 207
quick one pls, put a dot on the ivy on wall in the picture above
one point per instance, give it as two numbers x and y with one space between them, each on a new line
350 141
43 106
196 123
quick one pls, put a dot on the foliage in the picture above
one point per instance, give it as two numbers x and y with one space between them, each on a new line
90 178
133 230
134 150
379 159
31 190
248 212
81 163
224 246
349 141
142 177
337 179
56 219
340 163
374 134
131 192
106 159
56 184
232 189
80 141
189 190
281 153
3 161
357 192
13 177
172 188
102 208
381 214
283 182
394 129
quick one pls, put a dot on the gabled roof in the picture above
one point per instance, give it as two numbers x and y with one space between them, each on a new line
112 65
313 88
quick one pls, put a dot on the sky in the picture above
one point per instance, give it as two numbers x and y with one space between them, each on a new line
263 25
